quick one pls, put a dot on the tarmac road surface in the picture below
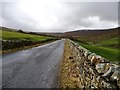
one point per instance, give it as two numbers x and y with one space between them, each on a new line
37 67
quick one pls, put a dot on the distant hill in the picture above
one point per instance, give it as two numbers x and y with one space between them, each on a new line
94 35
83 35
34 33
8 29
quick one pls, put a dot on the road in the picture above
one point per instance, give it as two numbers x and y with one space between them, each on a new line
33 68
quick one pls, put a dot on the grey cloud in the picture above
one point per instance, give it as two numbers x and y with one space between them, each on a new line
71 16
107 11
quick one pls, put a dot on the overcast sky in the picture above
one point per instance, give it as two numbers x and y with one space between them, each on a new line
58 16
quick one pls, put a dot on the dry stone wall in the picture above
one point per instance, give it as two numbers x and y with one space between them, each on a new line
83 69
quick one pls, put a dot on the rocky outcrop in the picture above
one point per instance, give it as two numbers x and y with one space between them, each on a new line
83 69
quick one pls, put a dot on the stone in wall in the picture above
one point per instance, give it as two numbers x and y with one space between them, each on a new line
88 70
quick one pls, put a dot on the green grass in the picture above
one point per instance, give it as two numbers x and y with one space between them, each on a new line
11 35
113 42
20 40
109 41
106 52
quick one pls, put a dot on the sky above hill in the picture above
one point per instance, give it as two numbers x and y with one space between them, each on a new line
58 15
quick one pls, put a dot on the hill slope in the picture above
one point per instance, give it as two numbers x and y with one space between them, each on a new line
102 42
13 40
93 35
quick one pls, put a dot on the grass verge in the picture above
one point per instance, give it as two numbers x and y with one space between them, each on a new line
69 76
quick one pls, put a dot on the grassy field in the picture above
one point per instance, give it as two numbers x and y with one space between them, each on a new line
14 40
11 35
113 42
106 48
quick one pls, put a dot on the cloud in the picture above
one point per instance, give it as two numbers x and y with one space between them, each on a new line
95 22
56 16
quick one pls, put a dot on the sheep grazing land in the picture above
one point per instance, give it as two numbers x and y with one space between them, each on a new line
15 40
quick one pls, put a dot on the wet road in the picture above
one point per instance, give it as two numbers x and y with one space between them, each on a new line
33 68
